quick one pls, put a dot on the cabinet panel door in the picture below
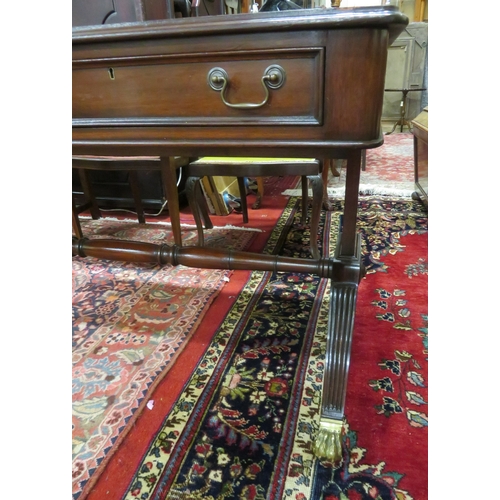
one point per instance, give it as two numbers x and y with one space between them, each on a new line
91 12
406 67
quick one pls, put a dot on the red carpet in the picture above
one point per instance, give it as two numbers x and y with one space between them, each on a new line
386 403
131 323
185 442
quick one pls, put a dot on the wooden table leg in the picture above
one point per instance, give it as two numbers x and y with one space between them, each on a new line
317 190
348 240
328 441
169 179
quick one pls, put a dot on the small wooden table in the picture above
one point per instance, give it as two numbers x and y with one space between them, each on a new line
301 83
402 121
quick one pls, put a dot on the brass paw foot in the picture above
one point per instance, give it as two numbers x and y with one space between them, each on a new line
328 442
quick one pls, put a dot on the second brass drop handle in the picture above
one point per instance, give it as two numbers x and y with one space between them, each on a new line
274 78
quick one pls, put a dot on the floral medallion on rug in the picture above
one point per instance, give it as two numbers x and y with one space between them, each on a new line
129 323
243 426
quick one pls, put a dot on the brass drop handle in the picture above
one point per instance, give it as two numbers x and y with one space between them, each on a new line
273 78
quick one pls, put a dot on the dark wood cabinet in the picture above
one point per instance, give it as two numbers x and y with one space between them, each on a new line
93 12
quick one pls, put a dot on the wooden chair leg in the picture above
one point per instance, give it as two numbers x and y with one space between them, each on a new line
327 164
169 179
88 191
77 228
305 198
191 187
335 167
202 205
363 160
136 194
243 197
260 192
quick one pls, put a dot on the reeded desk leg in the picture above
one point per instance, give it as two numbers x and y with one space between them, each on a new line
328 441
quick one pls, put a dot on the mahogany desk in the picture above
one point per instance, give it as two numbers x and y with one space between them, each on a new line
301 83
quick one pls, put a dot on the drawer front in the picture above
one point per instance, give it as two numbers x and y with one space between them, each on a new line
175 90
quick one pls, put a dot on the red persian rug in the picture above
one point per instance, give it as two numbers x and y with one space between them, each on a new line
385 444
242 423
130 323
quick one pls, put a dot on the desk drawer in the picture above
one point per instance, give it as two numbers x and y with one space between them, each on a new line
174 90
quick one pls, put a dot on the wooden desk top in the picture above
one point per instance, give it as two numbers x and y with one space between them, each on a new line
387 17
145 88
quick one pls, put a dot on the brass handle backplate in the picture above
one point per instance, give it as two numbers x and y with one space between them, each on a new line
273 78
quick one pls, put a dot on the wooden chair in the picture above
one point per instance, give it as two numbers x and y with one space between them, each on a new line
240 167
90 203
94 12
166 166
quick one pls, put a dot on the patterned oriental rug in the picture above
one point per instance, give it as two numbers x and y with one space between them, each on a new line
389 170
241 425
130 323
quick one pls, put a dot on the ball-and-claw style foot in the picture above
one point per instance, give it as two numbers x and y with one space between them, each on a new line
328 441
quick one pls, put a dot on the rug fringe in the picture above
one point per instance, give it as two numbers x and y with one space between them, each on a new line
168 224
364 189
155 222
229 226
